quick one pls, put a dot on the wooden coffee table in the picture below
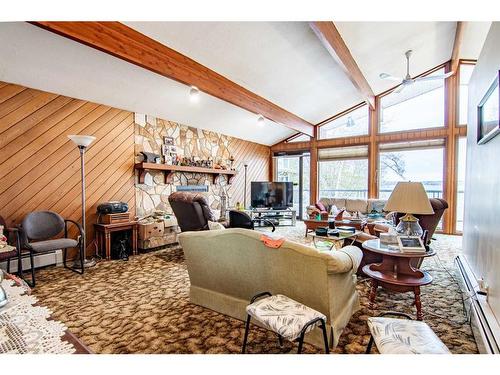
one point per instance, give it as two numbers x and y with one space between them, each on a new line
312 224
395 272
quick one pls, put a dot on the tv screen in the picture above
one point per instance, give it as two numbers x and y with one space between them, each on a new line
277 195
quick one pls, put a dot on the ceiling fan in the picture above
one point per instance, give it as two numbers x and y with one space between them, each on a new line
407 80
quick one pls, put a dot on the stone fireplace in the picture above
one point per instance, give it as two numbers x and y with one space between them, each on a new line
153 193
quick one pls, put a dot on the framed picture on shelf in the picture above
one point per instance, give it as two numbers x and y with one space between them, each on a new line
168 141
488 114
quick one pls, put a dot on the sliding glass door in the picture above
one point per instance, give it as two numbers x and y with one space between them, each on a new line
295 169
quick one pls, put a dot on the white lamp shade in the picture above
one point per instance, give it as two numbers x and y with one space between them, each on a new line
409 198
82 140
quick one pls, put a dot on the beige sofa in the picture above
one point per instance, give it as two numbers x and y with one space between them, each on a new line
228 267
364 206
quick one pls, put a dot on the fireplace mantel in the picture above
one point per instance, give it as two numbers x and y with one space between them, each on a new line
168 171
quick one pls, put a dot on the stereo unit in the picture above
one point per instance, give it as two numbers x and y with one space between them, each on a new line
112 208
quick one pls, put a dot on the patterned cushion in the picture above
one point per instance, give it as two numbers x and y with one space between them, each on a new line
400 336
283 315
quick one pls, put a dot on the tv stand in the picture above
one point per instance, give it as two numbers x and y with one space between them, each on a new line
279 217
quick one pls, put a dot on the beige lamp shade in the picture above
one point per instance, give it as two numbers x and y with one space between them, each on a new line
409 197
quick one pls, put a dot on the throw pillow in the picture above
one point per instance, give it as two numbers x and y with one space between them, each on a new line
212 225
320 206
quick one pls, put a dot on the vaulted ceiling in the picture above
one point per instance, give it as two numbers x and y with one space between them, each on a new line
282 62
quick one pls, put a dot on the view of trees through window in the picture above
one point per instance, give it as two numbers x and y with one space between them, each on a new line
343 178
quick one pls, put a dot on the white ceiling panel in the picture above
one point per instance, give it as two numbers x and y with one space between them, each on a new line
380 46
40 59
474 35
283 62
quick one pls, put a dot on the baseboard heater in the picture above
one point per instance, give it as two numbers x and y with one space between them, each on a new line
485 327
42 260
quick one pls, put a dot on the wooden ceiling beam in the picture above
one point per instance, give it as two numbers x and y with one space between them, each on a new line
457 45
128 44
335 45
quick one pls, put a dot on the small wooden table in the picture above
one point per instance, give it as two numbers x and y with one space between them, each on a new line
312 224
103 236
395 273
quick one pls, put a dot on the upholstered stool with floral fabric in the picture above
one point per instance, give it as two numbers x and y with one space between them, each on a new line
400 336
289 319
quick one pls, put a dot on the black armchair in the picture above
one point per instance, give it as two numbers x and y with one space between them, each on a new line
240 219
36 236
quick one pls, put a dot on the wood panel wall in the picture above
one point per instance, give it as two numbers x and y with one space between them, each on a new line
40 166
258 158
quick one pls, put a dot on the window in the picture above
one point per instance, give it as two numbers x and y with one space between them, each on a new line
463 91
461 159
420 161
350 124
418 106
299 138
343 172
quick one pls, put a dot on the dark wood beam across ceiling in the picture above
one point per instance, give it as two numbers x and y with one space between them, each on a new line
335 45
128 44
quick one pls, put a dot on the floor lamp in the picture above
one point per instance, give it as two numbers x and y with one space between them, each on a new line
245 164
83 141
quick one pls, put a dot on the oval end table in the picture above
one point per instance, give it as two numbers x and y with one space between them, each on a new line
395 273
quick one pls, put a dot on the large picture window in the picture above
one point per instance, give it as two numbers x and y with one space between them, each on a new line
419 161
418 106
461 158
350 124
343 172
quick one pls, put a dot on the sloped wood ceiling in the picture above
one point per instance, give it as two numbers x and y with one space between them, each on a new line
40 166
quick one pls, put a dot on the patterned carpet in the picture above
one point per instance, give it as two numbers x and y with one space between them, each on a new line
142 306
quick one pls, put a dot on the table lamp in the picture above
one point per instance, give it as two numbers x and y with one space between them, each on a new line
409 198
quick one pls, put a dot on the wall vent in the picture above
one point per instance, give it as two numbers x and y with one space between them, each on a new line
192 188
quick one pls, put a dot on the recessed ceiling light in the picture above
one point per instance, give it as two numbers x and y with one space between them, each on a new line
261 120
194 94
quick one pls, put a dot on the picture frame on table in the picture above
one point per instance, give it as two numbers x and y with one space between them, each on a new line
411 244
488 113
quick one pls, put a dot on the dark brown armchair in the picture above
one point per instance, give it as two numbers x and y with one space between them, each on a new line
36 235
191 210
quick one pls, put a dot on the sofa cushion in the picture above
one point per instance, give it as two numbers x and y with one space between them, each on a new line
357 205
400 336
50 245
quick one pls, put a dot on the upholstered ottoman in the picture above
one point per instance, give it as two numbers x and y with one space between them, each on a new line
289 319
400 336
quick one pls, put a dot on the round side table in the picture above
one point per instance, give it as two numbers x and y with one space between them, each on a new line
395 272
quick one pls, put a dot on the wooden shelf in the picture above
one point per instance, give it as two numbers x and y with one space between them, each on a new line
169 170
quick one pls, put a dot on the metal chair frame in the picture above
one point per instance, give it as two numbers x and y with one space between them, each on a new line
21 247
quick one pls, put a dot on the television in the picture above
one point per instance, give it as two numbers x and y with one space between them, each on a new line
276 195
